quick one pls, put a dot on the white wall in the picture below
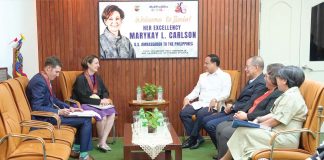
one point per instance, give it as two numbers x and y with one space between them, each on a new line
19 16
285 33
279 35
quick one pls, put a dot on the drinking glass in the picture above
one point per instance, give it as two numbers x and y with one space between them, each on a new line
164 114
135 113
166 122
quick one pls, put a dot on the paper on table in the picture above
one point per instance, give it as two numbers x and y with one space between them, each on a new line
101 106
153 101
87 113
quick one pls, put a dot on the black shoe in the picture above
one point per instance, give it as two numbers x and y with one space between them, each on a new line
187 140
188 143
197 144
74 154
103 148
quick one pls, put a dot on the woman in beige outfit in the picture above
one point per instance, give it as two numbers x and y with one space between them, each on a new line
289 112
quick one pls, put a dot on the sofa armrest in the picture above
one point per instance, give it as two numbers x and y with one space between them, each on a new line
39 124
73 101
48 114
273 138
281 153
24 136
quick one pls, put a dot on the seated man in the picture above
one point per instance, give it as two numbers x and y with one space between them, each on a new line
261 106
254 89
212 87
41 98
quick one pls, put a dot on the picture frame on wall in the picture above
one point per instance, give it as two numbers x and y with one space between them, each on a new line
148 29
3 73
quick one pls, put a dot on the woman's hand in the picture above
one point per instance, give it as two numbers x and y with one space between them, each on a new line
256 120
271 123
240 115
228 108
106 101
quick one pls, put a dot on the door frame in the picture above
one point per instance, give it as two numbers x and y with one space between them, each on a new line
305 37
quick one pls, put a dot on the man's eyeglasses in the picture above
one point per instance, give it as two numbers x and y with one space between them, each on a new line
249 66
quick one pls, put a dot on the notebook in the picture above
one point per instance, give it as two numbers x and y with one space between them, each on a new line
101 106
239 123
87 113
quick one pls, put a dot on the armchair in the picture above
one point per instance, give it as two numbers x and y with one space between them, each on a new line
67 79
21 103
14 144
235 77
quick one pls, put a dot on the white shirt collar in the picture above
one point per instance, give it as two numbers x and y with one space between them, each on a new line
215 73
250 81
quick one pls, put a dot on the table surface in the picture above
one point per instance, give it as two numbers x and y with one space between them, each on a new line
143 102
148 104
128 136
175 145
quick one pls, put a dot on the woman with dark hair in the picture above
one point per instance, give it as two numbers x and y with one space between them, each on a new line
90 89
288 112
260 107
112 43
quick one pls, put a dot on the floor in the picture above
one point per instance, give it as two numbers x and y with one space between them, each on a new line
205 152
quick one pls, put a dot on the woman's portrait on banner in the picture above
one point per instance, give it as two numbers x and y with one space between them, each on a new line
147 29
112 43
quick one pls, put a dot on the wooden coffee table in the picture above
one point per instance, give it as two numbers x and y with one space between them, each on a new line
148 105
135 152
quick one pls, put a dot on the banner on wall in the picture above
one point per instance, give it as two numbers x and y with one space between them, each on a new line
155 29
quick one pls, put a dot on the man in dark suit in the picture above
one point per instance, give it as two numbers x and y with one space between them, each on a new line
41 98
254 89
261 106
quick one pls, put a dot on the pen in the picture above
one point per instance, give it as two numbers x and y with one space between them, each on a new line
57 107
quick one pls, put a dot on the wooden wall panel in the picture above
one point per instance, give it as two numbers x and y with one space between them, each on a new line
69 30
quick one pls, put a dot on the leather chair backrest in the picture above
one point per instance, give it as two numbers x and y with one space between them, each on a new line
23 81
311 91
67 79
10 117
235 77
3 146
21 101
